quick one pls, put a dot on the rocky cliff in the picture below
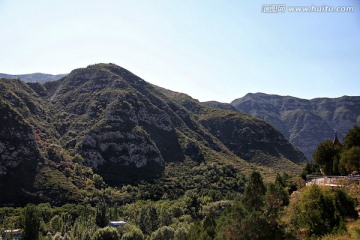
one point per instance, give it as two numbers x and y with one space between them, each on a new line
305 123
125 130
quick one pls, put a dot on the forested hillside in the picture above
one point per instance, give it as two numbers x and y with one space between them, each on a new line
103 123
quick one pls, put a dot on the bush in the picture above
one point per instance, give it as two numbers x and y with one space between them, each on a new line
319 211
56 224
350 160
132 232
163 233
107 233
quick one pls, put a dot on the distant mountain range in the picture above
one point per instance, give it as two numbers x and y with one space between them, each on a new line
305 123
33 77
125 130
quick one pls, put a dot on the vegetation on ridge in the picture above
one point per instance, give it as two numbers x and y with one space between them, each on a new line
126 131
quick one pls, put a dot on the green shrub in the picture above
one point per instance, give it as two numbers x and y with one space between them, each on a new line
107 233
163 233
132 232
320 211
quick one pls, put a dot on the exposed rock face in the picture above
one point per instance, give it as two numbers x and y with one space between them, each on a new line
305 123
130 148
115 117
18 115
110 100
249 137
18 145
193 150
124 128
19 149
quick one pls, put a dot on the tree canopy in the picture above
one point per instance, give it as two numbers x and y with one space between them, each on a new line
334 159
31 222
320 210
352 137
327 156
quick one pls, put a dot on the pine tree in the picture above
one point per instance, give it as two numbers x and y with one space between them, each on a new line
101 215
254 192
31 222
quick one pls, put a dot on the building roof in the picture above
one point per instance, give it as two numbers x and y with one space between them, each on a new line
12 231
117 222
336 140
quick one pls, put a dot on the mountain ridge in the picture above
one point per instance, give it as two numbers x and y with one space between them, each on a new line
104 122
304 122
33 77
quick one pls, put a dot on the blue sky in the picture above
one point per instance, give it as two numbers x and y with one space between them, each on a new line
212 50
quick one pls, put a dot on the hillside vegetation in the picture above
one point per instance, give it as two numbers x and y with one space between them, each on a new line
104 126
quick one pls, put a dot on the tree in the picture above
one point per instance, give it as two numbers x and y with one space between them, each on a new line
31 222
98 181
352 137
320 210
327 156
163 233
255 217
107 233
275 198
78 159
202 230
350 156
209 226
253 198
67 222
193 204
101 216
78 169
132 232
350 160
310 168
56 224
181 233
148 218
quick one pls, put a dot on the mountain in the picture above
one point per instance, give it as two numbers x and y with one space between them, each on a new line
305 123
33 77
103 122
220 105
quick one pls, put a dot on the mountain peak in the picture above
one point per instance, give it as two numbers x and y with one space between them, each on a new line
102 72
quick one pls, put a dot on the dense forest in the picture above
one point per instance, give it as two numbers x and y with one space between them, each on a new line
283 209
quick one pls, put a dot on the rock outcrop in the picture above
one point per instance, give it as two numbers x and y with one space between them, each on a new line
18 146
305 123
105 123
